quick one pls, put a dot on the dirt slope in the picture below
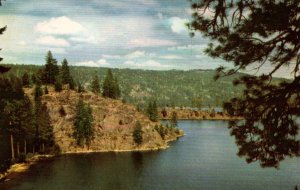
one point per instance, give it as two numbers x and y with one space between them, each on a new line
113 123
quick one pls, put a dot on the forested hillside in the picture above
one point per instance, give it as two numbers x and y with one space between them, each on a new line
195 88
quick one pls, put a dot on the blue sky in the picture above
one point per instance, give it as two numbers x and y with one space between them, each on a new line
146 34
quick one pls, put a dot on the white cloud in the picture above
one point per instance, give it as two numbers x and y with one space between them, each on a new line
105 56
170 57
160 16
150 42
178 25
59 26
135 55
99 63
52 41
149 64
199 48
22 43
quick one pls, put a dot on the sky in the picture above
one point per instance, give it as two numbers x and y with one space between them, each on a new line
138 34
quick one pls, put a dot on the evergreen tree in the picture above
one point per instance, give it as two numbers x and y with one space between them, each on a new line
46 91
37 91
25 79
58 85
110 86
33 78
80 88
83 128
51 70
117 91
3 69
43 130
65 72
95 85
152 111
72 84
137 133
174 119
46 137
256 34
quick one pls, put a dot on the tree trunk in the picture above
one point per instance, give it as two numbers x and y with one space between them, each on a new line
18 149
43 146
33 149
12 147
25 148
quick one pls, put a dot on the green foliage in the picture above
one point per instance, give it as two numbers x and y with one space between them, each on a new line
152 111
162 131
95 85
3 69
83 127
58 85
72 84
111 86
25 79
65 72
46 91
80 88
257 34
169 88
37 91
21 121
43 129
33 78
138 133
51 70
173 120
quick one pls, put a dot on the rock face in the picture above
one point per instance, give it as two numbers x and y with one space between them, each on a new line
113 124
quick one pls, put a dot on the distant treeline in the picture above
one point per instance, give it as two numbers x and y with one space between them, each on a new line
195 88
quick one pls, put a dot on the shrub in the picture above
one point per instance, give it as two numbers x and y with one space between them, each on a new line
138 133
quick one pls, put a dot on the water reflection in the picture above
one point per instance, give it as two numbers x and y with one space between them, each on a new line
203 159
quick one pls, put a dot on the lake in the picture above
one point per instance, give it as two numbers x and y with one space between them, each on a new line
203 159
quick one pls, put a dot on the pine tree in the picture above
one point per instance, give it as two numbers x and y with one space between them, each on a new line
83 128
110 86
2 68
95 85
37 91
80 88
65 72
51 70
257 34
33 78
117 91
152 111
58 85
46 91
72 84
174 119
137 133
25 79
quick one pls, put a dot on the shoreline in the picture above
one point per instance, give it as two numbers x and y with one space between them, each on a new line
19 168
128 150
201 119
16 169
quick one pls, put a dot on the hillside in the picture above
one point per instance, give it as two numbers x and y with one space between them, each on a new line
113 123
194 88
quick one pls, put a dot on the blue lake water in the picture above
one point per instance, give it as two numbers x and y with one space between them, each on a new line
203 159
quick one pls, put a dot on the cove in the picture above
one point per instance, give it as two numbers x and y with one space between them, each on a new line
205 158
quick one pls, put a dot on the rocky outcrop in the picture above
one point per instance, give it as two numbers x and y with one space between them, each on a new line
113 123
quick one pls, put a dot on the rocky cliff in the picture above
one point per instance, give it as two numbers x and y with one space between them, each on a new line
113 124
